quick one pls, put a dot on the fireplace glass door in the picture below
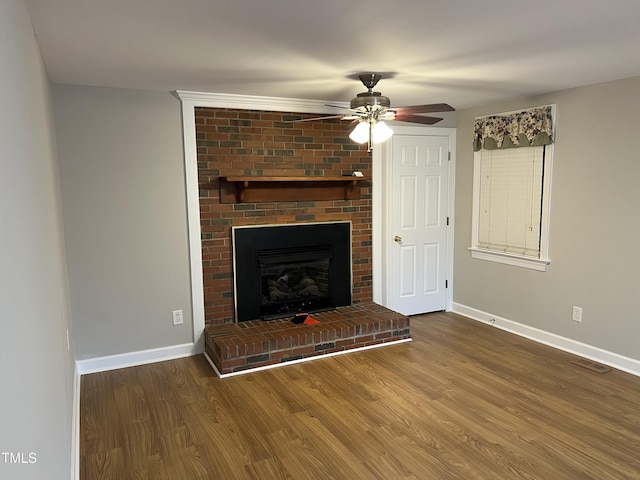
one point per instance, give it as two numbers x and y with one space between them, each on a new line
280 270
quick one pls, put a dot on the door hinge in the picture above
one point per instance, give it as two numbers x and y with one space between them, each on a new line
447 221
446 284
449 155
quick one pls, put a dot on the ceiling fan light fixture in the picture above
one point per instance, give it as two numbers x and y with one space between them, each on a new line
381 132
375 132
360 134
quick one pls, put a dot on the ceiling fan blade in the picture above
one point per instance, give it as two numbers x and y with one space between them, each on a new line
313 119
431 108
403 117
337 106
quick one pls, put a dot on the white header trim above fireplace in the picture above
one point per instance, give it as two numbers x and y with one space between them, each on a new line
245 102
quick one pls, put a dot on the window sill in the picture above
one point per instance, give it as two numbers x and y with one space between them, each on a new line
510 259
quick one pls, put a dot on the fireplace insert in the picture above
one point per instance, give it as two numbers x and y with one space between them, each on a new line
283 269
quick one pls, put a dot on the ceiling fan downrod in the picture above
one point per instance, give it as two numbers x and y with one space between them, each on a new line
370 80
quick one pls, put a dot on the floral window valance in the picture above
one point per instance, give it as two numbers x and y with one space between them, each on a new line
532 127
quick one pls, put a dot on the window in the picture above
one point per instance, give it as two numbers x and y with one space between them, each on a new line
511 197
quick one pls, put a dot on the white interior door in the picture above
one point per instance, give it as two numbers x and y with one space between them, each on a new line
417 220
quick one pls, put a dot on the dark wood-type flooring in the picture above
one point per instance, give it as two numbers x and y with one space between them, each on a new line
462 401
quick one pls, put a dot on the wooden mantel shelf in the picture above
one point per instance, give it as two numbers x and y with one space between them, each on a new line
245 189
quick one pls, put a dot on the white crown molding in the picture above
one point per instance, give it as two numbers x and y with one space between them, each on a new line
249 102
596 354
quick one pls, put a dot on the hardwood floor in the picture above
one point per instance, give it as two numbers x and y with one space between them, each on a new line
462 401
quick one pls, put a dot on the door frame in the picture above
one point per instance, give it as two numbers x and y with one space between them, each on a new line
381 205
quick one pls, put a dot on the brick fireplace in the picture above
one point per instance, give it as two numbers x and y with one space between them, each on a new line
244 143
256 143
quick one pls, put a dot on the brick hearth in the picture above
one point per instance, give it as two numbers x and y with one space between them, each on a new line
248 345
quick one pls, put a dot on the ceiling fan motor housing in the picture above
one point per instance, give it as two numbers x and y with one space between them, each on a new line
370 99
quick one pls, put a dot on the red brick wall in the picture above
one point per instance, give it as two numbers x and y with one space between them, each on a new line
257 143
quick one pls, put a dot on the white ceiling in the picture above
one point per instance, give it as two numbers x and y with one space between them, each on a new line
463 52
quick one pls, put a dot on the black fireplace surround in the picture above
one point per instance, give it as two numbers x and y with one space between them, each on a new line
283 269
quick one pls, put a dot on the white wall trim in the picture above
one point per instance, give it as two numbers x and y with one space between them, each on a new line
191 100
596 354
193 221
452 133
132 359
248 102
301 360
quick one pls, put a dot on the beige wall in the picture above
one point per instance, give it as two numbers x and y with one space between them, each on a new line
124 206
595 223
36 366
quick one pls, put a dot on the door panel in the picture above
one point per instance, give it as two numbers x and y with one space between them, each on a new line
431 274
432 199
408 197
407 271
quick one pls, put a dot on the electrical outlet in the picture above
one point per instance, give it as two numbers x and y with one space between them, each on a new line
177 317
576 314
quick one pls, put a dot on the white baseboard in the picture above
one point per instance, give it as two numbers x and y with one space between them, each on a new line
132 359
596 354
300 360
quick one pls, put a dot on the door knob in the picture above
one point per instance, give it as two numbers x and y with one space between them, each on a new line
397 238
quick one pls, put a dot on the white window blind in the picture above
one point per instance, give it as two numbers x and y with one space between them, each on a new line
510 196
